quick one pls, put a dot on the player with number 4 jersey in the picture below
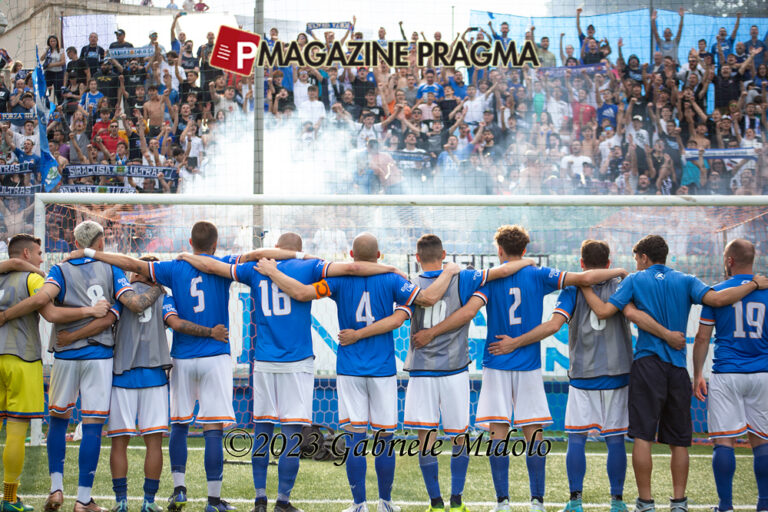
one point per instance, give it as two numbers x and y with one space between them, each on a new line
512 383
367 383
738 387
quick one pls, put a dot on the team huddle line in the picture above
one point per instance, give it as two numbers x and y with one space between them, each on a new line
110 351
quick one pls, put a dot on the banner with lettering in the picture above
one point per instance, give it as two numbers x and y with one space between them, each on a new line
724 154
561 71
119 171
20 191
129 53
24 168
95 189
341 25
17 116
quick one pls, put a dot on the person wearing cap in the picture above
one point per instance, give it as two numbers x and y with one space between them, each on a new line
590 29
120 43
153 43
92 53
108 79
361 85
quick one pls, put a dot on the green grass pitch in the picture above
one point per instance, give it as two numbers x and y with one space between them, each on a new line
322 486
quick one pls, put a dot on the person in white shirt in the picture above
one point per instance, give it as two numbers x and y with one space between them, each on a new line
638 133
312 110
558 110
612 140
300 87
475 104
573 164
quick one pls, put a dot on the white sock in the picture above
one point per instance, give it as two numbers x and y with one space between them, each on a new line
84 495
214 488
178 479
57 482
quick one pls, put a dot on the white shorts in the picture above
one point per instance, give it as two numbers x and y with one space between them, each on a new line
738 403
147 405
283 397
429 398
597 409
508 394
90 378
207 380
367 401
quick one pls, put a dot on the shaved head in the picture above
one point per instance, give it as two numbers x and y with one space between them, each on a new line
365 247
289 241
742 251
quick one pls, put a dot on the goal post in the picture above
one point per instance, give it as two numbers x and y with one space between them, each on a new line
695 227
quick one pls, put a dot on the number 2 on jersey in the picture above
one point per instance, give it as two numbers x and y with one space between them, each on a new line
363 313
516 300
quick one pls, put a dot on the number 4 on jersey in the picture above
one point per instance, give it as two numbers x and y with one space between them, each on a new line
363 313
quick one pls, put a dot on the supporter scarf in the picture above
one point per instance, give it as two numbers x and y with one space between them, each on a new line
20 191
118 171
127 53
412 157
16 116
716 154
560 71
24 168
99 189
342 25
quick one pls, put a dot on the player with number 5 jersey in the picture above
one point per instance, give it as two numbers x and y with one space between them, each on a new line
512 382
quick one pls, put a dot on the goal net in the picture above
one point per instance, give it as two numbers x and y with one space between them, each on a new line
160 225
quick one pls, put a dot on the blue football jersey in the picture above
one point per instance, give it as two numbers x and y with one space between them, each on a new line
666 295
283 325
741 337
514 306
200 298
362 301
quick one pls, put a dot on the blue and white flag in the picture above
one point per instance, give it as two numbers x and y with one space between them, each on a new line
725 154
49 168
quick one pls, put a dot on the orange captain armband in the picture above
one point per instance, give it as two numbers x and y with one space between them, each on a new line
322 289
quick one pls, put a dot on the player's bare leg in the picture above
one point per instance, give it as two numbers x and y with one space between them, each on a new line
642 464
153 467
679 466
118 464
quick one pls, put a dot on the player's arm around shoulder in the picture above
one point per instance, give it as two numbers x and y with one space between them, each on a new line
362 269
434 292
219 332
592 277
700 350
644 321
208 265
139 302
295 289
273 254
602 309
385 325
728 296
506 344
19 265
122 261
509 268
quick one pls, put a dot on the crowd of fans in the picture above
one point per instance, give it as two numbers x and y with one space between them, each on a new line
589 121
611 125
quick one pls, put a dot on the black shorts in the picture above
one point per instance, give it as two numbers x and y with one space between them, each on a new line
659 401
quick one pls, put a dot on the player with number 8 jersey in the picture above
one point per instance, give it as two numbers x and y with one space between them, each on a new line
84 366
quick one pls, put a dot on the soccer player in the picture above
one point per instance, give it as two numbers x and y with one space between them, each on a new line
21 368
283 376
439 380
511 374
367 382
659 385
600 355
140 384
202 365
738 387
85 366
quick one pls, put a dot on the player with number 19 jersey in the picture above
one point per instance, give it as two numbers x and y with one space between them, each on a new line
200 298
